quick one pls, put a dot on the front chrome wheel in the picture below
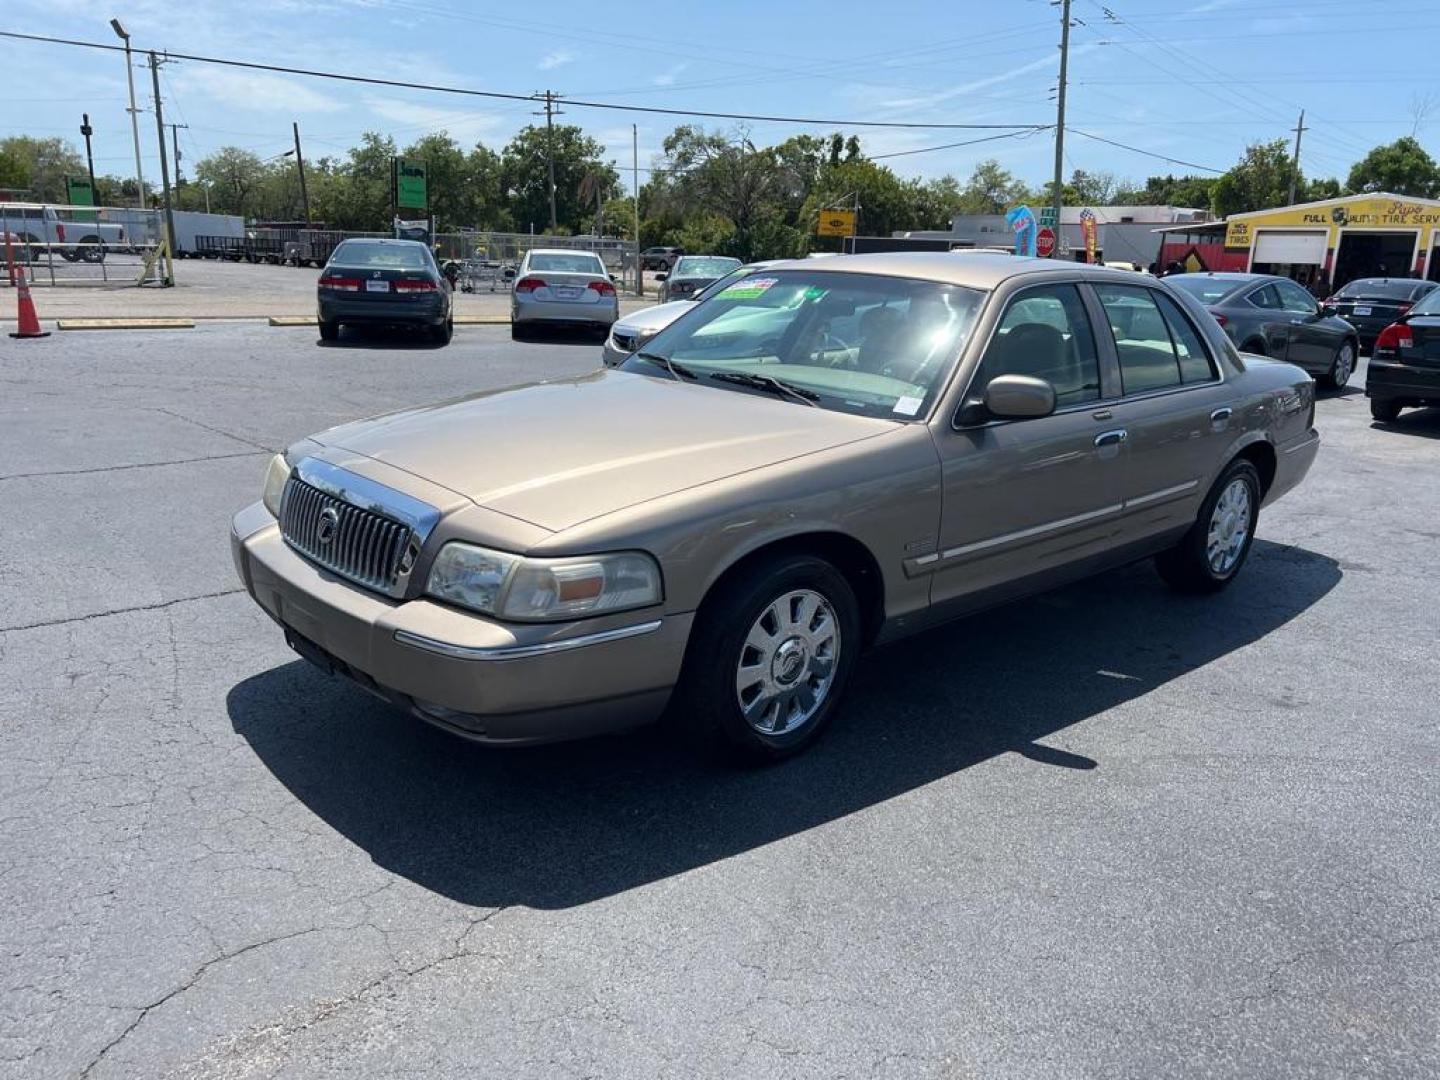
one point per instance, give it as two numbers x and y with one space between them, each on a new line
1229 527
1344 366
788 662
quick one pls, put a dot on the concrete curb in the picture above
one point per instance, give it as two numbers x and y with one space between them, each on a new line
125 324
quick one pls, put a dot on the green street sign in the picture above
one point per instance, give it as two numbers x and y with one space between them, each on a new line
1047 217
410 193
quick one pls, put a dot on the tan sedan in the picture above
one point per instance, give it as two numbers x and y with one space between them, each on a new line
818 458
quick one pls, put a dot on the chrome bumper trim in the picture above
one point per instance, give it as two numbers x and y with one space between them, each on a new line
520 652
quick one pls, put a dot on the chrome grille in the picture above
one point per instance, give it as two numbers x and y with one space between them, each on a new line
366 547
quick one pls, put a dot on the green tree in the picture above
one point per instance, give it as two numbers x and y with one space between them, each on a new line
1259 181
1399 168
235 177
39 166
730 178
1318 189
524 178
1171 190
992 190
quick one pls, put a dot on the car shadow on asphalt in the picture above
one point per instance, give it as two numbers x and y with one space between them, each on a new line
1422 423
540 334
552 827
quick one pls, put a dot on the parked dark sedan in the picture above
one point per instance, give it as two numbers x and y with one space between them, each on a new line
1273 316
378 282
692 273
1405 364
1371 304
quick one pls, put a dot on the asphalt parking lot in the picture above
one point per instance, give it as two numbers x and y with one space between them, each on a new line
1107 832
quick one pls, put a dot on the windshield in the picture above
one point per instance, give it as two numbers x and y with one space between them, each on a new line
397 256
1204 288
1429 304
1381 288
704 266
878 346
567 264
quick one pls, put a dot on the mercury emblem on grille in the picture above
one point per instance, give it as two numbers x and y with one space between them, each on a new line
326 526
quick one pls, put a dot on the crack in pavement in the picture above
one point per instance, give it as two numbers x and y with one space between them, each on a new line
214 430
159 605
135 465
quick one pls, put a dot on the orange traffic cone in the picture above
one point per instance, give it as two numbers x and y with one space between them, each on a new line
29 321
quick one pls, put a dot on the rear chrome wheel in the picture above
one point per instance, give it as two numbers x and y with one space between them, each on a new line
1212 552
787 664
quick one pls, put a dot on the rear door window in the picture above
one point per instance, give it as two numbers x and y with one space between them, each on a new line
1046 333
1148 359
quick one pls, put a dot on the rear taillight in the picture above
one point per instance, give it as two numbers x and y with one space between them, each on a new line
1329 300
1395 336
411 285
604 288
1221 319
60 230
529 284
340 284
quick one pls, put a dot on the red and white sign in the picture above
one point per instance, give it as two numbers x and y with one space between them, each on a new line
1045 242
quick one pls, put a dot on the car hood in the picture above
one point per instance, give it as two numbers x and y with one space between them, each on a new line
558 453
657 317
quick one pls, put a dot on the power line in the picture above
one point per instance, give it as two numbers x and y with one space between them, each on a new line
496 94
1147 153
953 145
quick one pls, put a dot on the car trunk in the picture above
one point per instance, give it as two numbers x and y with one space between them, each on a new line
1425 332
1375 306
377 283
561 286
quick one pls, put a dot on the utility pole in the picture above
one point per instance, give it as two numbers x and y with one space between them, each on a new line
124 36
1300 129
1057 195
164 169
300 163
635 183
550 113
87 131
175 148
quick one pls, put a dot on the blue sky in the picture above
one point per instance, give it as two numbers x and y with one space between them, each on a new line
1192 79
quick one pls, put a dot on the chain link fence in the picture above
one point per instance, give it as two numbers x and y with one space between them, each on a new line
80 245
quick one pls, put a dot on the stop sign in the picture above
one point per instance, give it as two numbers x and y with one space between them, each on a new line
1045 242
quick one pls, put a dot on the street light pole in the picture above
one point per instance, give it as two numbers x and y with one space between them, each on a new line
87 131
124 36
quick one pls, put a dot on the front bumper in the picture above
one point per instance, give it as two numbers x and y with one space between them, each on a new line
488 681
1402 382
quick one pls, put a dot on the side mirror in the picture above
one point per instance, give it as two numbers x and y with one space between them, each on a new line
1018 397
661 276
1327 310
614 279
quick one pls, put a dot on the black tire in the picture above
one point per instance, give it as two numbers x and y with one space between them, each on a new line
1256 347
1187 567
442 334
708 702
95 253
518 332
329 330
1341 368
1385 410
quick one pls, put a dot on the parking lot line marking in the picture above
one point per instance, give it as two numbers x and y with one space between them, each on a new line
125 324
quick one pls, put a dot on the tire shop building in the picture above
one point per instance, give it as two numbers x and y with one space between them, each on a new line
1379 235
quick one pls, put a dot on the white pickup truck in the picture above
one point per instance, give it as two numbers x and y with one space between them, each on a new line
74 233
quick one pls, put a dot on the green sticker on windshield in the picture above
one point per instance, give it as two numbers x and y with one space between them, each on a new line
815 292
747 289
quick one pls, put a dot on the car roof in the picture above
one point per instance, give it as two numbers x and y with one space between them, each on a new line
975 269
387 240
562 251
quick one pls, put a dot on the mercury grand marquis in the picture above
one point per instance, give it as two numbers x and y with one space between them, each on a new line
813 460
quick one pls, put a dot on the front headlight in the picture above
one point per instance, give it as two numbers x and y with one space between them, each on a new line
276 477
527 590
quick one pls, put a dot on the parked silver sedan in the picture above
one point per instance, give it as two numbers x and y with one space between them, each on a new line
561 287
820 457
637 327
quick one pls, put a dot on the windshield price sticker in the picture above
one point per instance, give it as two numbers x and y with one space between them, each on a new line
907 406
748 289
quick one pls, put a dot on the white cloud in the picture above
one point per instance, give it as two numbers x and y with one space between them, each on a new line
255 90
558 58
667 77
465 127
1051 61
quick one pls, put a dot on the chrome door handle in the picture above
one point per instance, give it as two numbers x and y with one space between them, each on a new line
1220 415
1111 438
